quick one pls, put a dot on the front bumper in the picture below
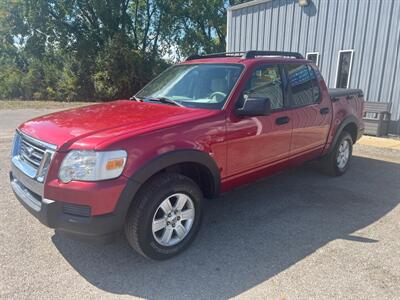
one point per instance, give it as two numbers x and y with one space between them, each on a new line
77 221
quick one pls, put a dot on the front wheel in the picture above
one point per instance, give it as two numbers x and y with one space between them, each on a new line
338 161
165 217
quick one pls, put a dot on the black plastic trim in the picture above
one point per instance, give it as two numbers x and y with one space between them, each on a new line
348 120
324 110
247 54
282 120
337 93
254 53
215 55
179 156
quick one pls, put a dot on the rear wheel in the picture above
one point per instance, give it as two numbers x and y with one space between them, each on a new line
337 162
166 217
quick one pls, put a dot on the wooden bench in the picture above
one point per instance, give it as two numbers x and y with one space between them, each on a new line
376 117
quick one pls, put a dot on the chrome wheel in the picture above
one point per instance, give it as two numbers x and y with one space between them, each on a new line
343 154
173 219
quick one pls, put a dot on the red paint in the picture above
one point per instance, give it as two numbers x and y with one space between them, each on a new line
102 122
244 148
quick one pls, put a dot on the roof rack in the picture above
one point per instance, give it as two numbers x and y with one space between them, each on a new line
253 54
214 55
247 54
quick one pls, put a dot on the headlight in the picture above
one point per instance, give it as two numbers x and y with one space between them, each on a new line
92 165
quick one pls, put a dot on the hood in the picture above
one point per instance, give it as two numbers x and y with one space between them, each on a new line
67 127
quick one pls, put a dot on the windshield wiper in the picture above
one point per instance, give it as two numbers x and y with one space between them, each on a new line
162 100
136 99
170 101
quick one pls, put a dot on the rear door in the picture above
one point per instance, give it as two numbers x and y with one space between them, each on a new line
310 110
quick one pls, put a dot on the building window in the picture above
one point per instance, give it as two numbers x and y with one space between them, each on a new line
314 57
343 70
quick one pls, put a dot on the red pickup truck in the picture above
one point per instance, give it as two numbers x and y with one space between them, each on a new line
201 128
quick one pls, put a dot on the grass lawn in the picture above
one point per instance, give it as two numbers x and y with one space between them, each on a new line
19 104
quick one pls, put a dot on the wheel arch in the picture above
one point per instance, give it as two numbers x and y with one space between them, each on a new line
180 161
195 164
349 124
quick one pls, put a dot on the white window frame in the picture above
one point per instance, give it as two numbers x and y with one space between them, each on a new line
350 68
317 53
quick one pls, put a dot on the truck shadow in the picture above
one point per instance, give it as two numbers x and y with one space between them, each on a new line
249 235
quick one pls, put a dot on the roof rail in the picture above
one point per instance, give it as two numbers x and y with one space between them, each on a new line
247 54
254 53
214 55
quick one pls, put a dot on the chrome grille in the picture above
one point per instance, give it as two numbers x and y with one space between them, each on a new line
31 156
30 153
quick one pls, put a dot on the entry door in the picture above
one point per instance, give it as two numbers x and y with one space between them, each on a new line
311 112
254 142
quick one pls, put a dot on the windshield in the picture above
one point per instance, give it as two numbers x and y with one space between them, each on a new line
198 86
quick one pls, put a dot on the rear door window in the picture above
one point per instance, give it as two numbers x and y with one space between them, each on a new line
303 84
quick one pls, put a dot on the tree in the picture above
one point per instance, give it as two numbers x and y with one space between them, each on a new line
199 26
91 49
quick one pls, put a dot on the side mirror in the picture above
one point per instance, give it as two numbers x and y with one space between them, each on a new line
255 107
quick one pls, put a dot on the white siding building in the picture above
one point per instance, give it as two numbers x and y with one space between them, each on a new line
355 43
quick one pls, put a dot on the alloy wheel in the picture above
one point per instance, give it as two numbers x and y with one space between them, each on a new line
173 219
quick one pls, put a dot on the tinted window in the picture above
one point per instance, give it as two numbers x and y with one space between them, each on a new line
343 71
266 82
304 85
316 90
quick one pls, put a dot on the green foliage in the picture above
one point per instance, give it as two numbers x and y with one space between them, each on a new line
122 71
99 49
117 70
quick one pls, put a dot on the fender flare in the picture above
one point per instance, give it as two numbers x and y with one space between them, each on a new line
175 157
159 163
348 120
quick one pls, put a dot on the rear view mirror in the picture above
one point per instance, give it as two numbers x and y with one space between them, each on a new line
255 107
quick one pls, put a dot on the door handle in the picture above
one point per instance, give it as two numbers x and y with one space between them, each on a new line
324 110
282 120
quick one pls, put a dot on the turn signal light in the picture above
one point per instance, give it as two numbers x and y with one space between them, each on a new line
115 164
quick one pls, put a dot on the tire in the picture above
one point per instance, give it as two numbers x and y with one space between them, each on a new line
336 163
147 215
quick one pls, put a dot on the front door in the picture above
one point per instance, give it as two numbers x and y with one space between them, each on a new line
255 142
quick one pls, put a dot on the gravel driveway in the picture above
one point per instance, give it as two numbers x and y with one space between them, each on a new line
296 235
